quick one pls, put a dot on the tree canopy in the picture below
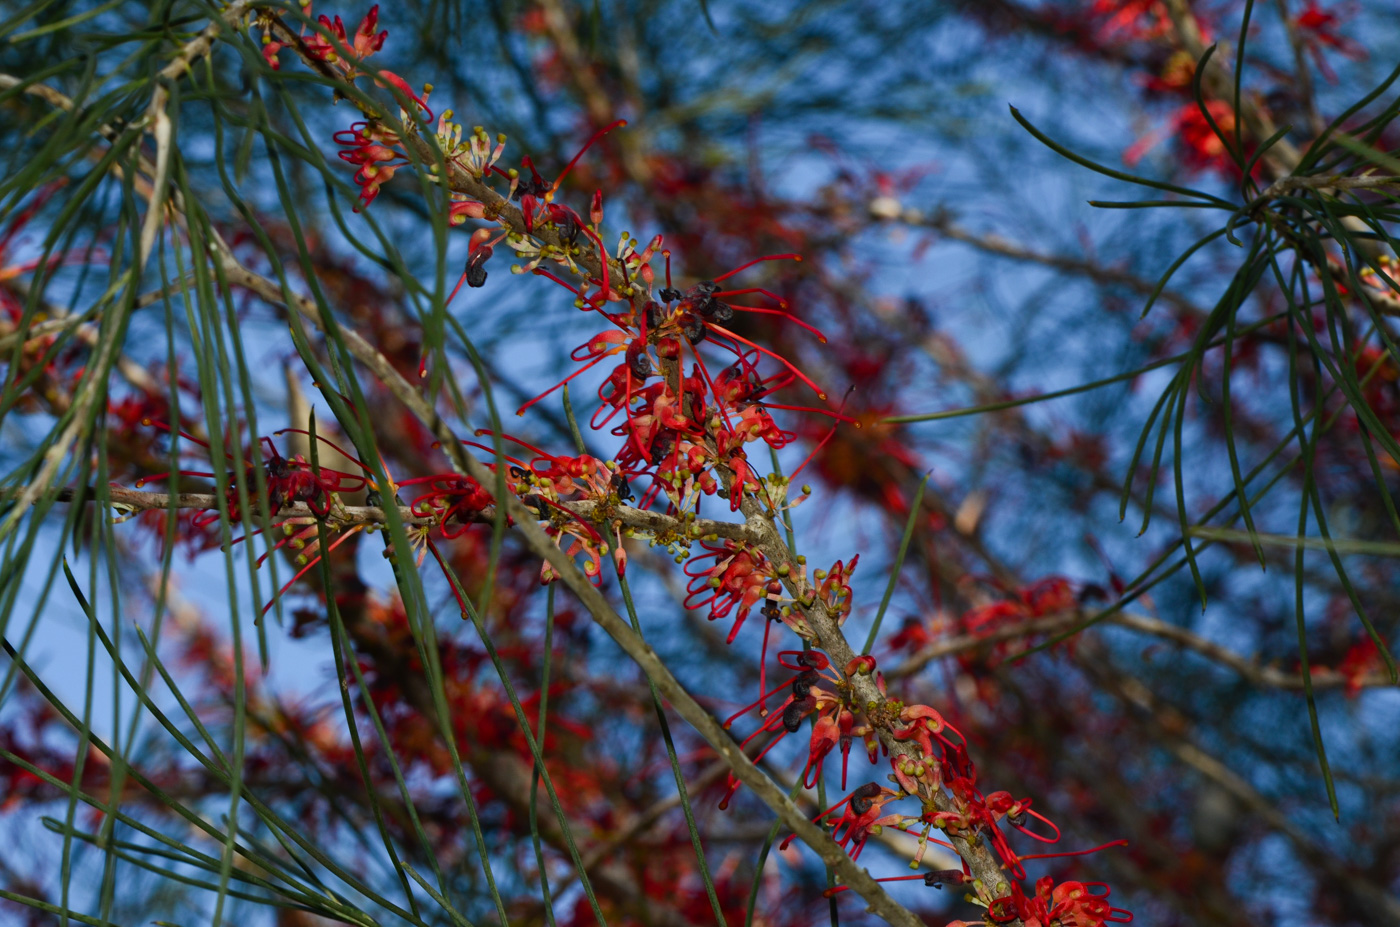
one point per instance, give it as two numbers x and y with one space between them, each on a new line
548 462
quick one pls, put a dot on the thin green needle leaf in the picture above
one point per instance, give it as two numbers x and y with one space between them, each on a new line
1231 450
1308 445
1332 545
1345 580
65 23
457 917
1148 204
1324 142
197 821
785 517
1177 391
1143 437
573 423
1073 390
1371 155
1175 266
343 656
1259 152
763 859
466 605
681 790
62 911
547 662
1239 75
20 17
1225 141
353 728
1182 518
1156 573
914 510
84 733
1110 172
1306 667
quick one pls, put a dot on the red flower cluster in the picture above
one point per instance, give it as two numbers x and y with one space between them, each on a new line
687 396
1317 28
323 44
822 694
1071 904
738 576
288 481
826 697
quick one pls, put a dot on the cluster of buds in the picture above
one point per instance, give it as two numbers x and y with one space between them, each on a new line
1378 280
834 588
738 577
688 433
455 502
288 481
476 156
826 697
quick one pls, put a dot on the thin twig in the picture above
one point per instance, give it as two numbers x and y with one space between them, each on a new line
639 520
1252 671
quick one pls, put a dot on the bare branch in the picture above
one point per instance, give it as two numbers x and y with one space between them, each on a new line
1253 672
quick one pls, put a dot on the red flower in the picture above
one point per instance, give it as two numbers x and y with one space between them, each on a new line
323 47
368 146
1318 27
1201 148
738 576
807 697
1069 903
1361 661
860 816
1133 19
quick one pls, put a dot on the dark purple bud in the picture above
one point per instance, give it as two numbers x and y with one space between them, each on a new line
939 877
640 364
476 267
864 797
568 227
653 311
693 328
795 712
959 762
